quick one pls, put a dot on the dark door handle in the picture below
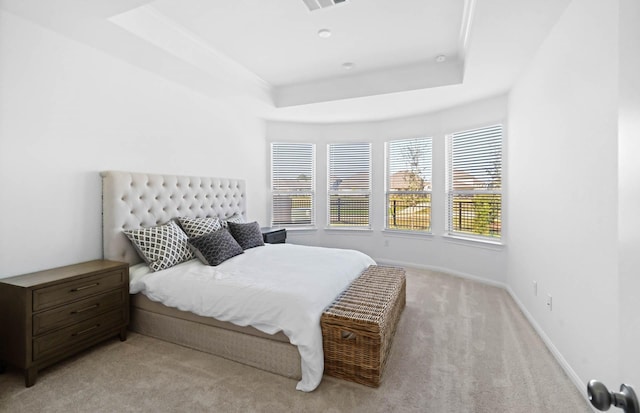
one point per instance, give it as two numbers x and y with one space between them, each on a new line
601 398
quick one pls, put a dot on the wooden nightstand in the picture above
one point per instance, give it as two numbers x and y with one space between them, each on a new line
49 315
274 235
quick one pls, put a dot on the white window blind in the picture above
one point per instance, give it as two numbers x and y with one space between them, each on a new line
408 195
292 184
474 182
349 181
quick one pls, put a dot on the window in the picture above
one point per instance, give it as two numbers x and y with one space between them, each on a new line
292 184
349 182
408 197
474 182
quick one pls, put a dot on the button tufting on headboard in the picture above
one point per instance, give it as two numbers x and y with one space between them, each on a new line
131 200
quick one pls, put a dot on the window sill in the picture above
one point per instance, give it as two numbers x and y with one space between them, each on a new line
348 229
407 234
475 242
300 229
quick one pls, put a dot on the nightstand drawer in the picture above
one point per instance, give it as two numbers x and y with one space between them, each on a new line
71 291
78 311
51 344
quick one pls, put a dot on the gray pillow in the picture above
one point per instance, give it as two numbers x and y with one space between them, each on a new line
247 235
216 247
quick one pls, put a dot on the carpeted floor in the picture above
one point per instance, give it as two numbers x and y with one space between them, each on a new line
461 346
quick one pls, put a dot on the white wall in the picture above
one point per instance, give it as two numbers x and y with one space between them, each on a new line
68 111
468 259
562 198
629 192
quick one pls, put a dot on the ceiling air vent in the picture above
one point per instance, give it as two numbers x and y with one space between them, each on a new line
321 4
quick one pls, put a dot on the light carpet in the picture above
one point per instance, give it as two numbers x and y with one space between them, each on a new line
461 346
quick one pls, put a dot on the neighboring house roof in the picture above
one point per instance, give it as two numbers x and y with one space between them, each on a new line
291 184
407 181
354 182
465 181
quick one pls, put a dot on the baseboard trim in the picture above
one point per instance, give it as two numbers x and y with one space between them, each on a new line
448 271
573 376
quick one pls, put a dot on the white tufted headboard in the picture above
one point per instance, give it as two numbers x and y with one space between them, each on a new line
132 200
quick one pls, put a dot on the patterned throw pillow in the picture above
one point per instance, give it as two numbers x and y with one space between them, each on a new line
247 235
194 227
237 218
216 247
161 247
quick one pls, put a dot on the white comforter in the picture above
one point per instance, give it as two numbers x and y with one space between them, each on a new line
280 287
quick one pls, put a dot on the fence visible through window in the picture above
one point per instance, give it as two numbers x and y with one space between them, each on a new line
409 211
292 210
349 210
477 214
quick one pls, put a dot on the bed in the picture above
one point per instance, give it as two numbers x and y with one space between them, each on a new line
135 200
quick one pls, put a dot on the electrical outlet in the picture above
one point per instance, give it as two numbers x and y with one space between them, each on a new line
550 302
535 288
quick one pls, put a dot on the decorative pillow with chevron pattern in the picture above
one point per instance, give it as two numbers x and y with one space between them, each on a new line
247 235
216 247
237 218
194 227
162 246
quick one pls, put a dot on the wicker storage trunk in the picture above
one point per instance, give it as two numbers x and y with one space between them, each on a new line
358 327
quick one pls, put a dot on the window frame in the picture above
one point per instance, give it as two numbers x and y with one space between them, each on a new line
368 193
389 158
487 195
275 191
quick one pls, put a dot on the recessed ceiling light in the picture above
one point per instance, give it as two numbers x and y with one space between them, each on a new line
324 33
347 66
441 58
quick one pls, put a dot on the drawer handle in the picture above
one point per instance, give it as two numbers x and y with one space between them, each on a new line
85 287
86 330
347 335
91 307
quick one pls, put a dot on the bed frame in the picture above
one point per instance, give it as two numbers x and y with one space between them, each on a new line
132 200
